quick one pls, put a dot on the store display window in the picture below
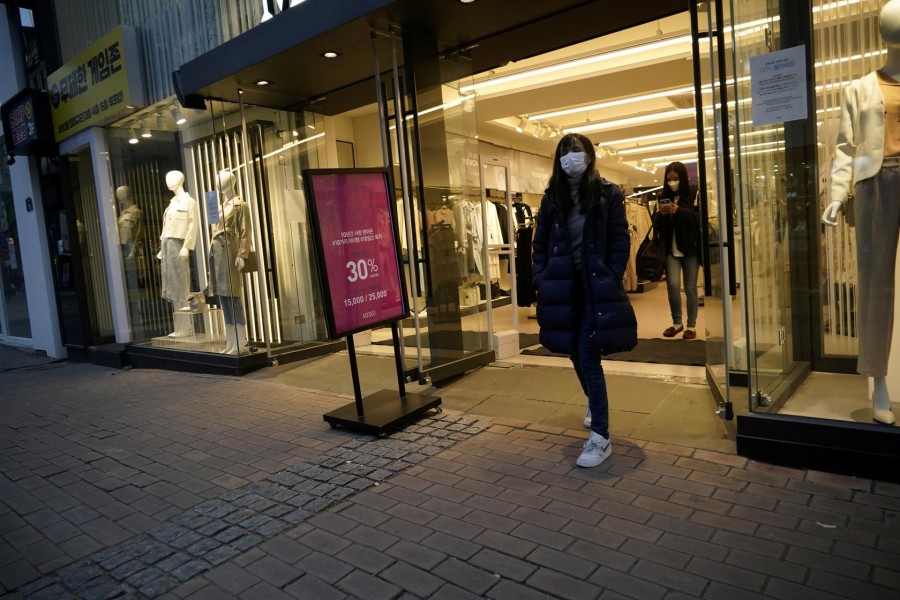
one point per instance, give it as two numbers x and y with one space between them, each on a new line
213 232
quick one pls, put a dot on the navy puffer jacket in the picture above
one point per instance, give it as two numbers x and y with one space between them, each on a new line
605 248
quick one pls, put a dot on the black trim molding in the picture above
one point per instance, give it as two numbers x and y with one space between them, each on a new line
857 449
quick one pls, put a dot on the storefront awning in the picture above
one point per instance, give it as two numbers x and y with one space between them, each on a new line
287 51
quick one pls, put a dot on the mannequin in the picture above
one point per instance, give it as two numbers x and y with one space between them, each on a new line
229 247
130 223
867 157
179 234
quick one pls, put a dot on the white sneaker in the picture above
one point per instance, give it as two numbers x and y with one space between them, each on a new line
587 418
596 450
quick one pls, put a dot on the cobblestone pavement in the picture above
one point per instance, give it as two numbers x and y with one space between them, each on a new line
170 485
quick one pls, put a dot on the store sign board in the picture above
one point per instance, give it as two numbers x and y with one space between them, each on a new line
355 228
778 86
97 86
26 124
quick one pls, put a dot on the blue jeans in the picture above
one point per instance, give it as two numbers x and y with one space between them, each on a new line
590 373
232 310
688 267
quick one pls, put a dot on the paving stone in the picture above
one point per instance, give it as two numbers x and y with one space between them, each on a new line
221 554
324 567
412 579
363 585
274 571
189 570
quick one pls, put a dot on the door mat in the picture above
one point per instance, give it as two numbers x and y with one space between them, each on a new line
664 352
459 340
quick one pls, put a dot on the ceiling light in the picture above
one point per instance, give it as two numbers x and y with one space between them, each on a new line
649 118
330 54
263 82
520 126
466 1
587 60
160 123
295 132
145 131
178 117
133 136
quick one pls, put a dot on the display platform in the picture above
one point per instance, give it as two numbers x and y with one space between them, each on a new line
383 412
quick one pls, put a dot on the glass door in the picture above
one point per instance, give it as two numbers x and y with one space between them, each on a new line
430 141
497 208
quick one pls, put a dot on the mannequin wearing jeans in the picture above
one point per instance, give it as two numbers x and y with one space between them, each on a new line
178 237
867 157
229 247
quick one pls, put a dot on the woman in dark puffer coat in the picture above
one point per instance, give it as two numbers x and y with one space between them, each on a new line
581 247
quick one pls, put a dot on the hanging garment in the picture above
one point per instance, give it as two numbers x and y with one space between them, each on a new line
524 288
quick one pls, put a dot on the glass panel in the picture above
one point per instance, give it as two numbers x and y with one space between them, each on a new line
462 273
14 319
281 298
719 304
847 46
762 241
138 168
90 244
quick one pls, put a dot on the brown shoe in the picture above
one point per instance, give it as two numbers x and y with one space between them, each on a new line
673 331
690 334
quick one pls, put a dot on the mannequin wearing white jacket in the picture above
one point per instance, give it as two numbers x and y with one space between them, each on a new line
179 235
860 165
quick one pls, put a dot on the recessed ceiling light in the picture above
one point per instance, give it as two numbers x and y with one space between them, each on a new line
263 82
330 54
467 1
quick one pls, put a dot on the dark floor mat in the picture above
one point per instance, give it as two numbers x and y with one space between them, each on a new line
664 352
460 340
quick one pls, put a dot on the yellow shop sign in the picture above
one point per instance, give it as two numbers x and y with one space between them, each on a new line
98 86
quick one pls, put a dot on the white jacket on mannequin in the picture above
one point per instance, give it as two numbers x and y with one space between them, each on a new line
859 152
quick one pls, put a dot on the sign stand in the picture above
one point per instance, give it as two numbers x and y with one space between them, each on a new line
385 410
354 227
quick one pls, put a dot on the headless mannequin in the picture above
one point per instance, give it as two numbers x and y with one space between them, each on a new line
179 234
889 27
232 229
131 227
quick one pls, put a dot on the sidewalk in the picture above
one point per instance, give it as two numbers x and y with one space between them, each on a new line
170 485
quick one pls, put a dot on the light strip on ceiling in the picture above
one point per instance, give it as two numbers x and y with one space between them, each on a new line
653 117
706 89
844 59
711 157
657 159
644 138
645 149
579 62
686 142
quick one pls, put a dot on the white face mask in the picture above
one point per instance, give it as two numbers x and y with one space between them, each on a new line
674 185
573 163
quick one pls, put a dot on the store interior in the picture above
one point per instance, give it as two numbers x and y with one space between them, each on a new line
632 94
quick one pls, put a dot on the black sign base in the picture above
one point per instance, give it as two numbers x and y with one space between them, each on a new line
384 411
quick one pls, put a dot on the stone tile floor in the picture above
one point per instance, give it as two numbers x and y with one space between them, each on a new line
94 462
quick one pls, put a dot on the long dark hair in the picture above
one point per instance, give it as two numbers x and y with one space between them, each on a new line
684 185
559 188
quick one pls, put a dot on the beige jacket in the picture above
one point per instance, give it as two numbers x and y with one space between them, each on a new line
860 143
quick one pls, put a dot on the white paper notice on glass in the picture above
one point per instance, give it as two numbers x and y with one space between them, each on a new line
212 208
778 86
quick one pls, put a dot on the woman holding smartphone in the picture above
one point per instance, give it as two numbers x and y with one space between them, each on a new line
677 221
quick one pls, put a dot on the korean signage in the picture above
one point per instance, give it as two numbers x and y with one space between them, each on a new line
26 123
778 86
97 86
352 212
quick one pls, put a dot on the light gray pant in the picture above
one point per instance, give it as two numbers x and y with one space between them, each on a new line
877 213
